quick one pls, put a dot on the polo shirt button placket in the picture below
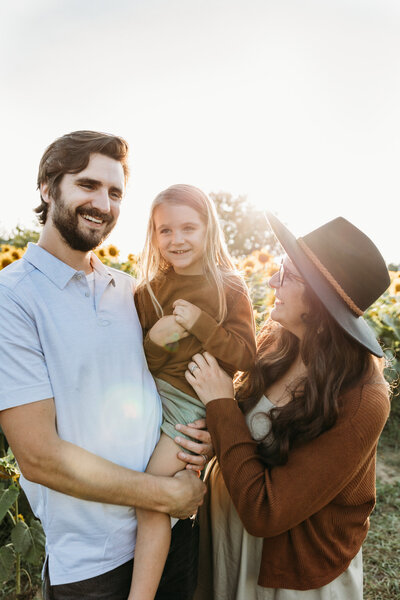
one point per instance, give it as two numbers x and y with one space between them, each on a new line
79 276
103 322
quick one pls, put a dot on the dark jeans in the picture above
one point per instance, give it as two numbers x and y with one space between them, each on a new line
178 580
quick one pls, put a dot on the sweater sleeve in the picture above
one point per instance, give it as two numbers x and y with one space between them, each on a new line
272 501
233 341
140 306
156 355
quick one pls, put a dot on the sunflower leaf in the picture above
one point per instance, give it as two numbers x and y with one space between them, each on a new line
7 558
7 499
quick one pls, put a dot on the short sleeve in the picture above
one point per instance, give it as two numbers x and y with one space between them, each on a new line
23 373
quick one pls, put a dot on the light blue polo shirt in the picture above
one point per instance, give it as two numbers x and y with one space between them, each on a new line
57 340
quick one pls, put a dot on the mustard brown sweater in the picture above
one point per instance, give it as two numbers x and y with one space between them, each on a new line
313 512
232 343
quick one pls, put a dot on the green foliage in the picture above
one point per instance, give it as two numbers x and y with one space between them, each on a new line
261 296
127 266
22 539
7 499
20 237
381 550
393 267
29 540
244 226
109 256
384 318
7 560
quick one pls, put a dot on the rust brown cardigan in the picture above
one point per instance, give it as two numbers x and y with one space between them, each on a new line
313 512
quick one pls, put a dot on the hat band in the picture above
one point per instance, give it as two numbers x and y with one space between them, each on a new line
314 259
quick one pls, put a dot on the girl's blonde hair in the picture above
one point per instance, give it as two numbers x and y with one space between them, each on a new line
217 264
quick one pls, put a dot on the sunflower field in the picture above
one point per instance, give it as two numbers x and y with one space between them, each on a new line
21 536
256 268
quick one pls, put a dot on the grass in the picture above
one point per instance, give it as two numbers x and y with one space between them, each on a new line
381 550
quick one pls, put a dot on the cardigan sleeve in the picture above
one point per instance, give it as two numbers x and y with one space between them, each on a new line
272 501
233 341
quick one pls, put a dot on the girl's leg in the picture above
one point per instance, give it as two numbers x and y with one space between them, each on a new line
154 528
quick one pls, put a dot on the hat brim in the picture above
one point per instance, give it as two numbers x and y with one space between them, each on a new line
355 326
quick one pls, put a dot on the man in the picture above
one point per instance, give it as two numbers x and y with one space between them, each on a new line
78 404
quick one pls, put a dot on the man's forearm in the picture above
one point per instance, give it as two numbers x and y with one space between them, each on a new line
46 459
74 471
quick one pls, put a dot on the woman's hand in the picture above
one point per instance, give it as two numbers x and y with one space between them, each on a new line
207 378
186 313
202 447
167 331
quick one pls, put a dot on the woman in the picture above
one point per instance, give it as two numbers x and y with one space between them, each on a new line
303 480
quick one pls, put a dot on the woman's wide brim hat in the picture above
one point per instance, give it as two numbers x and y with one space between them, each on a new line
345 270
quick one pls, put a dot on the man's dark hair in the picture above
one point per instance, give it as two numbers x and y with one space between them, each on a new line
71 154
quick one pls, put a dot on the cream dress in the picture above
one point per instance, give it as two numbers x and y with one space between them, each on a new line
230 558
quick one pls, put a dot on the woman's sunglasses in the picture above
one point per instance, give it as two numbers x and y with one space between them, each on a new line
285 272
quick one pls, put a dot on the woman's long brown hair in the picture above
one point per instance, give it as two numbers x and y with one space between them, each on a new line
334 362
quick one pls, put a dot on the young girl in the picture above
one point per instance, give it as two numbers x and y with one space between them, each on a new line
190 299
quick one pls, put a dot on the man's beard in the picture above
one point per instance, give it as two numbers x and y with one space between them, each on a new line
66 221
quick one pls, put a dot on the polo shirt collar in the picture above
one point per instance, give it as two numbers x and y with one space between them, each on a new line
101 268
58 271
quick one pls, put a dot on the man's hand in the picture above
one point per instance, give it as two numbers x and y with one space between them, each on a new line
202 447
167 331
186 493
186 313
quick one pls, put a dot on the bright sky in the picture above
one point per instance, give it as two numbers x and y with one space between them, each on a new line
294 103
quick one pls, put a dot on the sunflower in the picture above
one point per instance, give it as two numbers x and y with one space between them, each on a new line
394 287
4 474
15 254
272 269
263 257
101 253
8 470
113 251
5 262
249 264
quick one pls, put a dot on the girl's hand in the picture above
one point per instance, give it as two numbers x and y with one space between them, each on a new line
207 378
167 331
186 313
202 448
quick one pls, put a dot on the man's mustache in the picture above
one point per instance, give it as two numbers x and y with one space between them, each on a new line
96 214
